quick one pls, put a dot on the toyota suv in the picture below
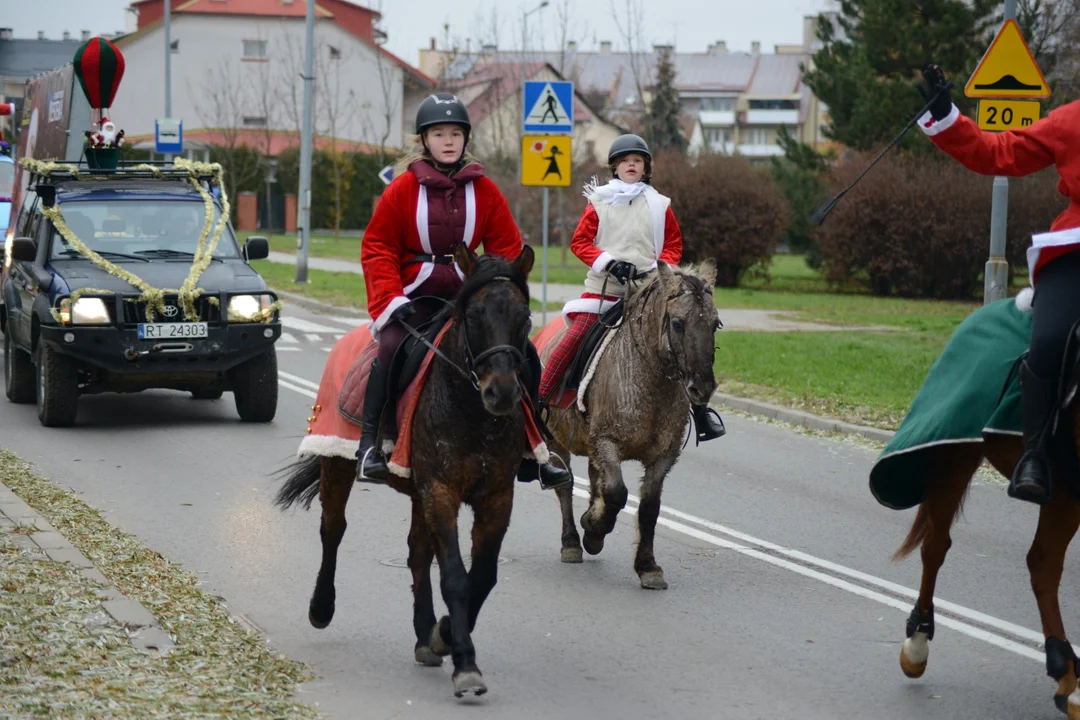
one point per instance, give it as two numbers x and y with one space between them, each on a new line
74 326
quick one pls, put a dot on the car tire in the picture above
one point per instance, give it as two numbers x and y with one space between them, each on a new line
19 380
57 388
255 388
207 394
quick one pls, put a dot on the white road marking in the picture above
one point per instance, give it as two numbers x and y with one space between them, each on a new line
288 348
295 323
312 337
350 321
288 337
767 552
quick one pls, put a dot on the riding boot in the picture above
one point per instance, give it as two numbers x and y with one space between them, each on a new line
550 476
371 465
708 428
1031 479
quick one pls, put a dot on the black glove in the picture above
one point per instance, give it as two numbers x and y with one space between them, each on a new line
936 84
402 313
622 270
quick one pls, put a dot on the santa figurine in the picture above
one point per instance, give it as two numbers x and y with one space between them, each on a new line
108 132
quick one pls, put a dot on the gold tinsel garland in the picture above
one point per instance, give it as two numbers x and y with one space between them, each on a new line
153 297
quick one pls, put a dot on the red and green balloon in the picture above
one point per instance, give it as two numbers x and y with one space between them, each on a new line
99 66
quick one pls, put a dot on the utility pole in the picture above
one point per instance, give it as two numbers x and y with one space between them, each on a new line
168 66
303 229
996 275
524 41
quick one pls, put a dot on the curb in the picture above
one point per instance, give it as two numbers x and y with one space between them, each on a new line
142 628
754 407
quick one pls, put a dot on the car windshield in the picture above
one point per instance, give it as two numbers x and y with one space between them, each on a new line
7 179
150 229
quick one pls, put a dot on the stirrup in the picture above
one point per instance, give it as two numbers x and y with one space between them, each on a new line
361 476
704 436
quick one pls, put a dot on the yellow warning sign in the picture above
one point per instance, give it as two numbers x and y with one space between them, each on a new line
1007 70
545 160
1001 115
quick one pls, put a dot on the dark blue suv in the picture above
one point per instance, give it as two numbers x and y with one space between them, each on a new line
73 327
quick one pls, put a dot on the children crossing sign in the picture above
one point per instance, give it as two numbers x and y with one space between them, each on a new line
545 160
549 107
1007 70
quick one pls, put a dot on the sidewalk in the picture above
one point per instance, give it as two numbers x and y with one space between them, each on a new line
744 319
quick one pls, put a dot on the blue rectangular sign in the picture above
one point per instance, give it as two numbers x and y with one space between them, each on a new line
168 136
549 107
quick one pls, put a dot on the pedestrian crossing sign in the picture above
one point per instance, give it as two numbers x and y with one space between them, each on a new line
545 160
549 106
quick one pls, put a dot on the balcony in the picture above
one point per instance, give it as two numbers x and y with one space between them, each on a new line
717 118
760 150
771 117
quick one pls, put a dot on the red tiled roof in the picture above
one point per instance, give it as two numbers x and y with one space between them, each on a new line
256 139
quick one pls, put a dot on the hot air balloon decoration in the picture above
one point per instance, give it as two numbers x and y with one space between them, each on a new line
99 65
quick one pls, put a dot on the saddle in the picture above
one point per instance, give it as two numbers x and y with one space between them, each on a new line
583 358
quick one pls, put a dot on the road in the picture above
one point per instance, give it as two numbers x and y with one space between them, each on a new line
783 600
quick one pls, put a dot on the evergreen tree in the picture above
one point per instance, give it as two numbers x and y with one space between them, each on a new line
867 79
663 131
800 173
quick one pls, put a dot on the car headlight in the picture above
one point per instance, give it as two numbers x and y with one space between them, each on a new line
249 308
85 311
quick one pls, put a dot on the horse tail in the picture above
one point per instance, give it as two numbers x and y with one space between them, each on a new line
920 528
301 484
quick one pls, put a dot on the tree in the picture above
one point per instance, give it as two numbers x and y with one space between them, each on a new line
867 78
662 123
801 175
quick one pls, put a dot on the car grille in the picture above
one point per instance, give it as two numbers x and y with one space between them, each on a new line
135 311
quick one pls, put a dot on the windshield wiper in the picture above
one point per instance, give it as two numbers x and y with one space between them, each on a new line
104 253
166 252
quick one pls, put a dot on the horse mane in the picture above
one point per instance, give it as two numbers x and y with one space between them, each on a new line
487 269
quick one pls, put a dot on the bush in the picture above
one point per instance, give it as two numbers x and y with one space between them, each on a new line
920 228
727 210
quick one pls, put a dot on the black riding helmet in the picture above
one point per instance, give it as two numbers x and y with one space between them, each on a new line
627 144
442 109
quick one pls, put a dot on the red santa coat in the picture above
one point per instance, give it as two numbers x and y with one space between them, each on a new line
1053 140
423 212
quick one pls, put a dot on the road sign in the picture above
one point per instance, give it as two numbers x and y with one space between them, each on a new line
1001 115
549 107
387 174
1008 69
545 160
168 136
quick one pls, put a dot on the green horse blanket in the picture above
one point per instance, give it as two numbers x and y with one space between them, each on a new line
958 401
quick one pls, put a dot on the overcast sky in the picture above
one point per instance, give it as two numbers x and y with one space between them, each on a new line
690 24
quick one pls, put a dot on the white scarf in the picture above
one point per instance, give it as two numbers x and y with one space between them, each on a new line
616 191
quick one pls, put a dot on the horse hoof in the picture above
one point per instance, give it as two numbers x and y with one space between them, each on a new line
1070 704
593 543
572 555
469 682
436 644
653 580
320 619
913 655
426 657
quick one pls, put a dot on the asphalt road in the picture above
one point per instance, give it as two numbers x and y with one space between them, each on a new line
783 600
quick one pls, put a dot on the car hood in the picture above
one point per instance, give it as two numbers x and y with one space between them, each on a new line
232 275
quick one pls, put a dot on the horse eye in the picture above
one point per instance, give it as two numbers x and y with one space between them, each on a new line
676 325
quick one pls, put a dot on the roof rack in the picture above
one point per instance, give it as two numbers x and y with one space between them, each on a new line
125 170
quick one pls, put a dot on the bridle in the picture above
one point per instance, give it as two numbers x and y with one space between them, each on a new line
472 360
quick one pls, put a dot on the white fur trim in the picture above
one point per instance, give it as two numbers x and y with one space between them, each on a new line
591 370
932 127
327 446
470 214
540 453
425 272
586 305
1024 298
1057 238
385 317
422 220
398 470
602 262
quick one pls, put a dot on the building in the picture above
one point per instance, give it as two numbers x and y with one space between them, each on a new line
735 101
492 94
236 75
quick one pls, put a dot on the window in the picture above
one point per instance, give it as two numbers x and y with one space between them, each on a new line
715 136
774 104
255 121
335 53
174 46
759 136
718 103
254 49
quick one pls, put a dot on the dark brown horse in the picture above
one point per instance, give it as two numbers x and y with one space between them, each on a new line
468 436
954 465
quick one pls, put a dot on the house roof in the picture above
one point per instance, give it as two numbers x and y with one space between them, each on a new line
26 58
256 138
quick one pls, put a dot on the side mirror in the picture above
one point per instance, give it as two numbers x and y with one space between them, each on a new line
24 249
256 248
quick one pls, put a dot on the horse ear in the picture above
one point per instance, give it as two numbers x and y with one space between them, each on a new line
664 271
525 261
707 273
465 259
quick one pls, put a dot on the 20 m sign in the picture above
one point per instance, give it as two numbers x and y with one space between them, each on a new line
1002 115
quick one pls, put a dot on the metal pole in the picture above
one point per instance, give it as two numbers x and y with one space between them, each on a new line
545 266
996 275
303 227
168 66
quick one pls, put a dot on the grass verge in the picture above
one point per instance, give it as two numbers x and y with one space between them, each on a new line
63 657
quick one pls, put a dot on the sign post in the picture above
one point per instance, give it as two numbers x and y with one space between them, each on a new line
547 122
1006 82
168 136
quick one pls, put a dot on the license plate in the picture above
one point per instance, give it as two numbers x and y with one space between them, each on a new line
171 331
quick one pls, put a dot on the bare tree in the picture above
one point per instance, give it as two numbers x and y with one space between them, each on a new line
1052 31
631 28
223 99
336 107
390 77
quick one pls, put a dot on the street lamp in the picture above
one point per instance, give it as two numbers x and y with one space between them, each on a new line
524 40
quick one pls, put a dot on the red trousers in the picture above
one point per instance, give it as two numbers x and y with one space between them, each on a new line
563 354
